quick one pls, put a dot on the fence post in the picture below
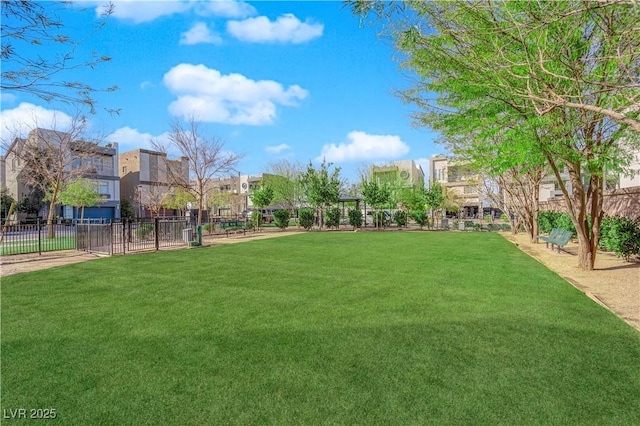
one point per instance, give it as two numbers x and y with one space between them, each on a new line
39 225
156 226
124 235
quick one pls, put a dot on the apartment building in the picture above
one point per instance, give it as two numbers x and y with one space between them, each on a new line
229 196
406 171
92 161
146 176
458 178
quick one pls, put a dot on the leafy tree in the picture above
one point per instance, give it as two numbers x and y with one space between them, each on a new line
261 198
6 200
321 187
176 199
378 195
435 199
47 67
414 198
208 158
420 216
80 193
566 72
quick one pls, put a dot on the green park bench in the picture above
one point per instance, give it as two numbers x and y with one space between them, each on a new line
558 237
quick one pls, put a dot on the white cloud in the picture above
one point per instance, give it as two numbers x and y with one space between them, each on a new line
225 9
19 121
199 34
210 96
144 11
277 149
363 146
286 29
7 98
129 139
146 85
138 11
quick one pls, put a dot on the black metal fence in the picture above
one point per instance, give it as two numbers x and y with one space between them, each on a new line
135 235
97 236
37 237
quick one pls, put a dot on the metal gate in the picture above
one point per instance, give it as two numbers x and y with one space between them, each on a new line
133 235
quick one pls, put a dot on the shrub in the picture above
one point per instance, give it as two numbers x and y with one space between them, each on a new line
494 227
456 224
355 218
282 218
563 221
307 218
546 220
506 227
332 218
209 227
620 235
420 216
400 218
468 224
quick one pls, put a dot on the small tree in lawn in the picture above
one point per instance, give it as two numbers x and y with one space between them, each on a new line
377 195
79 193
177 199
321 187
434 199
261 198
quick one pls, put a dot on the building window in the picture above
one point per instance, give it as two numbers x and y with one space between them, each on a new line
124 169
103 188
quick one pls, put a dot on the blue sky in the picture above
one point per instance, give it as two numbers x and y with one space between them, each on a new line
275 80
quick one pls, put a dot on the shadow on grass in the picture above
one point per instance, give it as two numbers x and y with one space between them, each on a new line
490 371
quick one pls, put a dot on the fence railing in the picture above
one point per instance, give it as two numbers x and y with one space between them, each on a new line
97 235
37 237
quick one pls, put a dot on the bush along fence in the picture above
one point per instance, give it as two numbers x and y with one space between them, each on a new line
620 235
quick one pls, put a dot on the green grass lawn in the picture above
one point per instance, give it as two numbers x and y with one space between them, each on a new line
9 247
318 328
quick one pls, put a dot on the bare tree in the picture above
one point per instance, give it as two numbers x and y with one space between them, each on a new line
152 197
51 55
208 159
284 178
51 158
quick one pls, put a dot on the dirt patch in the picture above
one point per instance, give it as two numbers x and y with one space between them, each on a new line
615 284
